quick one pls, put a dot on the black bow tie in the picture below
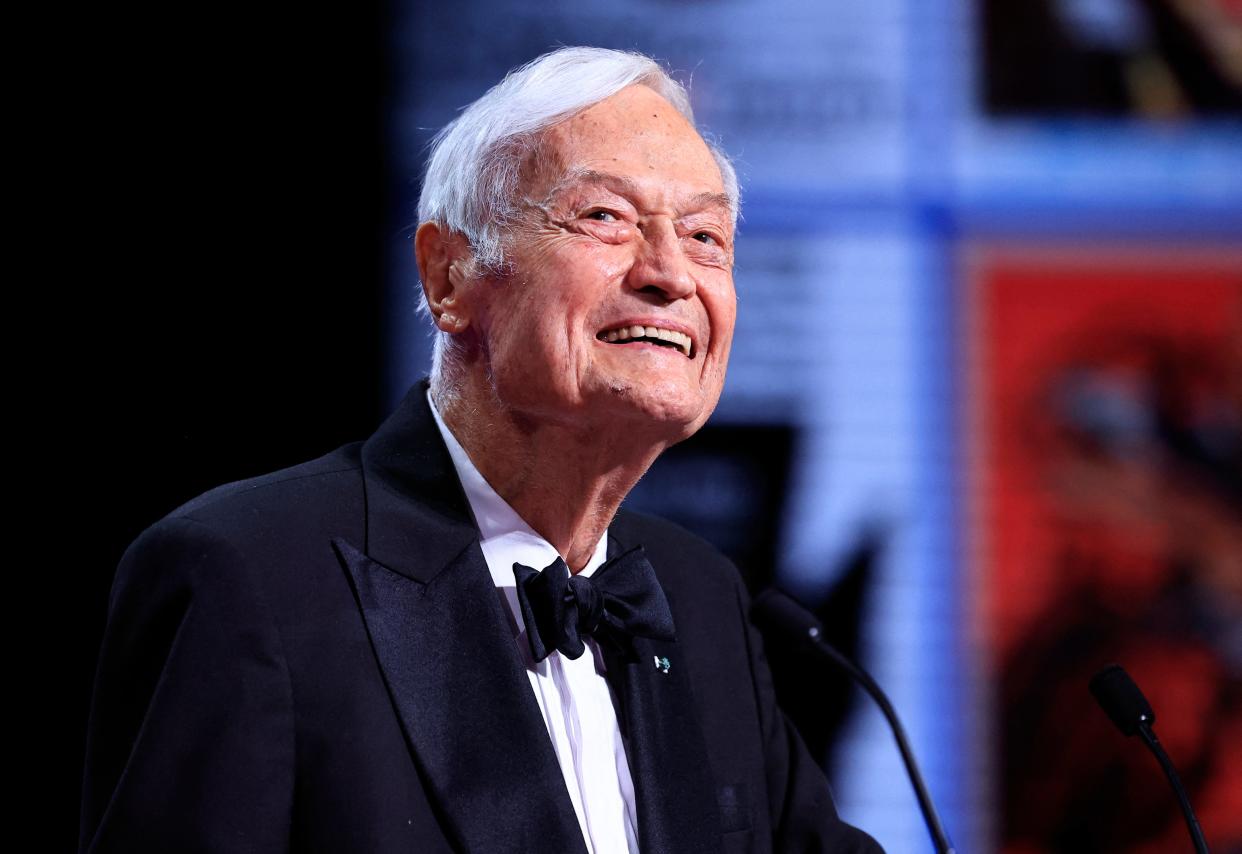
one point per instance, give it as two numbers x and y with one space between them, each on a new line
622 599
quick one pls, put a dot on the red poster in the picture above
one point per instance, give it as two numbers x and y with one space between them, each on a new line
1105 434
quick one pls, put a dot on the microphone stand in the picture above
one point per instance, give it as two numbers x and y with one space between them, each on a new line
1192 822
940 837
1124 703
782 610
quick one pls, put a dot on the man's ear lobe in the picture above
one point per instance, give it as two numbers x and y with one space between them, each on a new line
442 260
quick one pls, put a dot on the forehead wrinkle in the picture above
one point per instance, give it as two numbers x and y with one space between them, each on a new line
582 175
709 200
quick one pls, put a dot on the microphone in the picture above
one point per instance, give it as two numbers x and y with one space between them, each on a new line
778 611
1117 694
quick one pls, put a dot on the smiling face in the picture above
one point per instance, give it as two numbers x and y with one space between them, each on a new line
619 300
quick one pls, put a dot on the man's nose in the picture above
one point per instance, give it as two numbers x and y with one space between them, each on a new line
662 264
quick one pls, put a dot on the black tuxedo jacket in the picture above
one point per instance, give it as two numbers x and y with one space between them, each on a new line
317 660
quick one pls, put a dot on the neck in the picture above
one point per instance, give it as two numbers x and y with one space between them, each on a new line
565 481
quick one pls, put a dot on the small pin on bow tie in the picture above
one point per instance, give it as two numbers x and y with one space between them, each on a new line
622 599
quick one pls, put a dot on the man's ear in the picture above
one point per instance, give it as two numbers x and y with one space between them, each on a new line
443 256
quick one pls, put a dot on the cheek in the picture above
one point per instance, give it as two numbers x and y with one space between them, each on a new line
588 260
539 332
728 312
723 313
578 289
516 332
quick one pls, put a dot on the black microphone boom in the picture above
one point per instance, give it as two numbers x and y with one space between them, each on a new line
1117 694
776 610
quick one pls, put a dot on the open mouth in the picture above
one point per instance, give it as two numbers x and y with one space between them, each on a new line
651 335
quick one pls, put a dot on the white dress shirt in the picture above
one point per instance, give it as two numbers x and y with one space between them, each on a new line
573 697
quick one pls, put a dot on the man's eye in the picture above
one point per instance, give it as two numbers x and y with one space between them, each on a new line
706 237
602 216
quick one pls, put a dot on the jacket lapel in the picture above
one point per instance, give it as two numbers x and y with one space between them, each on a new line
673 785
446 651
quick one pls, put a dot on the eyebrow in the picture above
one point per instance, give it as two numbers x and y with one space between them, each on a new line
626 187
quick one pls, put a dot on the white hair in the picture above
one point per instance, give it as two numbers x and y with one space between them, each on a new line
472 173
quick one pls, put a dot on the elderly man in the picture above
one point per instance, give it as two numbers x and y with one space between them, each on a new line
448 637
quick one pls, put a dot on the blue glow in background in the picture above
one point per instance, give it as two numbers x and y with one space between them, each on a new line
868 166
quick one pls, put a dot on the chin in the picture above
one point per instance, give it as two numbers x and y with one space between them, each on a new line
672 411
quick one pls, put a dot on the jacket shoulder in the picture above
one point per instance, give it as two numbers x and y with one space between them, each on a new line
324 494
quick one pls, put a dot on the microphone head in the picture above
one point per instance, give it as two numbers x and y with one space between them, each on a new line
1117 694
774 610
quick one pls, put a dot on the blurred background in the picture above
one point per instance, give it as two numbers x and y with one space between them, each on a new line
984 410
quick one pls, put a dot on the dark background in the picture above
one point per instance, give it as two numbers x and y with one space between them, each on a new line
216 284
214 293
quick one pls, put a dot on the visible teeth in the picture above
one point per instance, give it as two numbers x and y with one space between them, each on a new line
679 339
